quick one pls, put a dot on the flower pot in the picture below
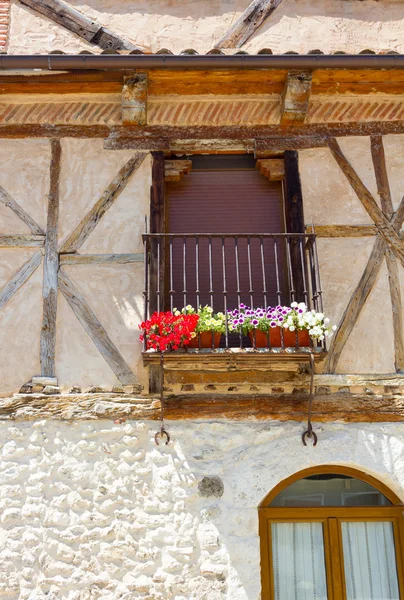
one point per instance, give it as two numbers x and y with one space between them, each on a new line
261 337
206 340
303 338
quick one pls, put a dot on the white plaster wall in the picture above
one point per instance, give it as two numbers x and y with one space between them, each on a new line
299 25
94 510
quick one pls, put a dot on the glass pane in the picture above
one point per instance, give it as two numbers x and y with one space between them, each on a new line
330 490
298 561
369 561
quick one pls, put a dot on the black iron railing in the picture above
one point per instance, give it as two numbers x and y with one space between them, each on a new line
226 270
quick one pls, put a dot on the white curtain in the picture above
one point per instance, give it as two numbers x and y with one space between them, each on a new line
298 561
369 561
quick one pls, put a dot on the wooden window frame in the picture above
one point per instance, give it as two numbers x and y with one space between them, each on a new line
331 517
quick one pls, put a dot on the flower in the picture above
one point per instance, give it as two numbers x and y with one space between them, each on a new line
168 330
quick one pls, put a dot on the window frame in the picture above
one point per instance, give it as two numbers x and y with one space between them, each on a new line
331 517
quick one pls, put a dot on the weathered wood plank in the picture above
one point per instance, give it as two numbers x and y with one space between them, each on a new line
95 330
369 203
113 191
247 24
134 99
51 267
99 259
21 240
383 188
157 225
75 21
8 201
24 273
337 231
137 143
354 408
295 98
294 217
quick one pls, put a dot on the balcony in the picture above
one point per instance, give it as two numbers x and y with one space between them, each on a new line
226 270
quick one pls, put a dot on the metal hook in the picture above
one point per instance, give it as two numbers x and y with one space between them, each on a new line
160 434
309 433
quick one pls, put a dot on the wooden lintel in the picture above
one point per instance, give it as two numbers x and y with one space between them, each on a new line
99 259
295 98
338 231
78 23
122 137
134 99
347 407
19 240
270 146
272 168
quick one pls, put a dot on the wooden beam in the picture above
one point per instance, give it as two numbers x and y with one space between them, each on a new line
134 99
247 24
73 20
294 218
175 169
95 330
113 191
369 203
269 146
136 143
20 277
360 294
345 231
20 240
347 407
157 225
8 201
272 168
295 98
51 267
100 259
383 188
151 133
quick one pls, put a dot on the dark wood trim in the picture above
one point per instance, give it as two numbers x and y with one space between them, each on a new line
51 267
157 225
294 218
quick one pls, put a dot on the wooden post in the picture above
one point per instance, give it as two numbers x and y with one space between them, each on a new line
51 267
157 225
294 217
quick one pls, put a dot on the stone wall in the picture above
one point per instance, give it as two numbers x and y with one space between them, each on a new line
96 511
298 25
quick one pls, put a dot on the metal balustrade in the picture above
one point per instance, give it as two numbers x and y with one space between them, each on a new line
225 270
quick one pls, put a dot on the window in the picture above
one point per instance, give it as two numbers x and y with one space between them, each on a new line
225 233
331 533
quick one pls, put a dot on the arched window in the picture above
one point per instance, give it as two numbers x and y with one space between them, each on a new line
331 533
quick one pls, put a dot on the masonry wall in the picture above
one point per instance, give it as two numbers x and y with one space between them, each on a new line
296 25
93 510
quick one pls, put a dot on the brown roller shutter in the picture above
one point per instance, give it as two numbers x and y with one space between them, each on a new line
225 201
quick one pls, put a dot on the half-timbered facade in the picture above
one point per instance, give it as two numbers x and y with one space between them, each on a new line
155 155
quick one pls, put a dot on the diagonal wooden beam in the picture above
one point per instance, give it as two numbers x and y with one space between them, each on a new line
51 267
83 26
95 330
369 203
360 295
24 273
247 24
383 188
113 191
8 201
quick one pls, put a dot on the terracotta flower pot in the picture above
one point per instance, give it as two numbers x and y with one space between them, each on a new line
261 337
206 340
289 337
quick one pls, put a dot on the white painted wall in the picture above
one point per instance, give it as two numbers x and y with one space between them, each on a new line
298 25
96 511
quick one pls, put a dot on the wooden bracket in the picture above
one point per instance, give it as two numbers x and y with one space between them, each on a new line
295 98
134 99
272 168
175 169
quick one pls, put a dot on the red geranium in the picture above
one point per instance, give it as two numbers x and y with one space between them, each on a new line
165 331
